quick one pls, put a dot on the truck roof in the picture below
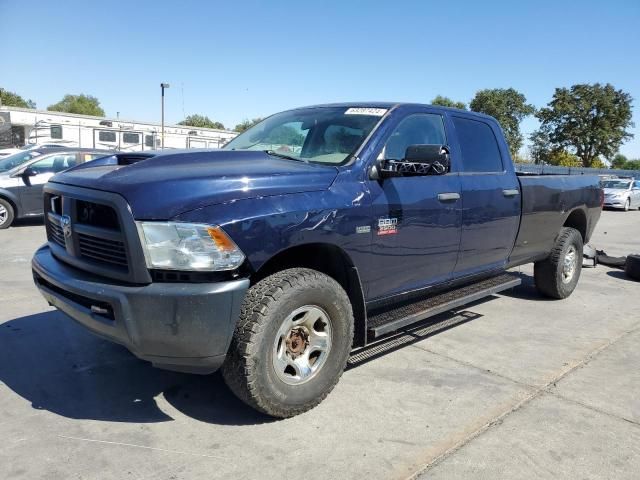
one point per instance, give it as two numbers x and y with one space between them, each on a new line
390 105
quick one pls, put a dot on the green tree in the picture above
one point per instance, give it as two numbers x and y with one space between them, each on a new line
447 102
632 165
564 159
619 161
201 121
540 148
11 99
285 135
591 120
509 107
81 104
246 124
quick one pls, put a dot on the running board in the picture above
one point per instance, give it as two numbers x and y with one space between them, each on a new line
423 308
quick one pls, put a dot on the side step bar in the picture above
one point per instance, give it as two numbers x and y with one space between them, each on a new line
392 320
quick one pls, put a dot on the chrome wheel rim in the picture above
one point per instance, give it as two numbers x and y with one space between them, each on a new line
302 345
569 265
3 214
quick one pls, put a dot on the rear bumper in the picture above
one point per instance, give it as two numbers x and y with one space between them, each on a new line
176 326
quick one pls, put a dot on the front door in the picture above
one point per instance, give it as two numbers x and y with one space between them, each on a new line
416 229
30 191
490 199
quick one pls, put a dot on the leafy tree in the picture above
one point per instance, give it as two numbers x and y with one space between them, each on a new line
11 99
591 120
246 124
509 107
564 159
540 148
81 104
201 121
447 102
619 161
632 165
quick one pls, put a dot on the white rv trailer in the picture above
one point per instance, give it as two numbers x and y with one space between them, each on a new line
22 126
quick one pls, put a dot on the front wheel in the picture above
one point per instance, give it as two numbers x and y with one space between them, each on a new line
291 343
558 275
627 205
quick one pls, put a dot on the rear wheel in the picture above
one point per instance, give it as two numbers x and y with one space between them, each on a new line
558 275
6 214
291 343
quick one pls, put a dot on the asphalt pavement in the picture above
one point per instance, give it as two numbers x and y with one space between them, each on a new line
515 386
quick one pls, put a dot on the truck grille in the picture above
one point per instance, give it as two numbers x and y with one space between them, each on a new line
93 234
54 233
102 250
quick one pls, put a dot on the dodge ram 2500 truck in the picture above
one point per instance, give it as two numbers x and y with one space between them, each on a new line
316 231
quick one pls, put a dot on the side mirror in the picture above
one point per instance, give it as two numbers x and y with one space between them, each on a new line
29 172
419 160
25 173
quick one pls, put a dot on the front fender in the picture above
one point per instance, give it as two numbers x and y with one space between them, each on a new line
265 226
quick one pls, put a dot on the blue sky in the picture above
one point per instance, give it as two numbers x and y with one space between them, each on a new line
236 60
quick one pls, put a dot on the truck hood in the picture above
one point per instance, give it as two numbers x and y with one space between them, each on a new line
166 185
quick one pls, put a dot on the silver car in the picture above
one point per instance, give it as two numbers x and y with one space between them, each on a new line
621 193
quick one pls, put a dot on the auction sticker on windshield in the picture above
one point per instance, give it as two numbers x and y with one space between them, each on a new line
376 112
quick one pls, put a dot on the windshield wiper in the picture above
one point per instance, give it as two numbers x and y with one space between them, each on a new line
282 155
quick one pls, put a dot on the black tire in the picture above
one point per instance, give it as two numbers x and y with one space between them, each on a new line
249 369
6 214
627 205
549 274
632 267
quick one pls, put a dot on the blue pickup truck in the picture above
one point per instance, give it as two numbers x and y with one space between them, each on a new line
317 231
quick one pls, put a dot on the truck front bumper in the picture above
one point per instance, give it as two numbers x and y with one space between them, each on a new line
176 326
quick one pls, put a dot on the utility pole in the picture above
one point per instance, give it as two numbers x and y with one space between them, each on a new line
162 87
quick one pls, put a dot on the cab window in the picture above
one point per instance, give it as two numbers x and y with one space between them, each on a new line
480 152
417 129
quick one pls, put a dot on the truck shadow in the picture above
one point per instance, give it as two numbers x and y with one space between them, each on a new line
58 366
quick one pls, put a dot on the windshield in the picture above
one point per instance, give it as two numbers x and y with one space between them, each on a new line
327 135
617 184
12 161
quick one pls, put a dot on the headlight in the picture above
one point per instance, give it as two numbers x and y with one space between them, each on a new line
188 246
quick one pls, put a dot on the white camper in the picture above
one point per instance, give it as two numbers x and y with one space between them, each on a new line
23 126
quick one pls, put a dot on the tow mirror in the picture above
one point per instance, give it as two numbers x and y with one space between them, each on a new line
419 160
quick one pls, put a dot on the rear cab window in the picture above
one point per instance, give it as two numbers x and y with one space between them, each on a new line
479 146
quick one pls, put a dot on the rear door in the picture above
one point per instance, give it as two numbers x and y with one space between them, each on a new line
490 197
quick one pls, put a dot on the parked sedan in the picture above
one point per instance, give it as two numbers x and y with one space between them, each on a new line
623 193
23 175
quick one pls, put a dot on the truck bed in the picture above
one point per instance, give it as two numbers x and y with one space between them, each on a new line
580 200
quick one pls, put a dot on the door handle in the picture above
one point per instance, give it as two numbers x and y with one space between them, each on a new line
510 192
447 197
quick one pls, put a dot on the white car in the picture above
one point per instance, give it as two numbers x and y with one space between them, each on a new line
622 193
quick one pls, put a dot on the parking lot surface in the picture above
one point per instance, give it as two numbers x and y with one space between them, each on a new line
516 386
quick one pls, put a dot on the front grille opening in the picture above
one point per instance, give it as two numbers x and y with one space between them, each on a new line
94 214
104 307
103 250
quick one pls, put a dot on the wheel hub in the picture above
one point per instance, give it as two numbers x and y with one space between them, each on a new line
297 341
302 344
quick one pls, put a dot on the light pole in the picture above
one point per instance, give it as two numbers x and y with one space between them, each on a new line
162 87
